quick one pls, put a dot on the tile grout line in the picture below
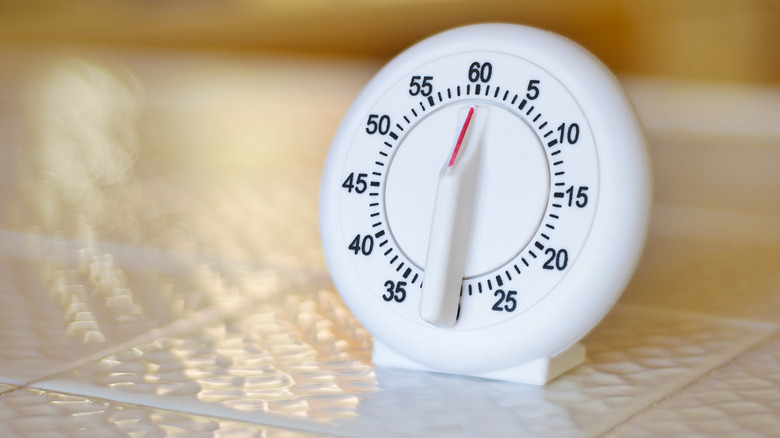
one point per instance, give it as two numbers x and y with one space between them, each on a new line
27 244
202 408
763 331
176 327
659 403
197 408
193 412
10 389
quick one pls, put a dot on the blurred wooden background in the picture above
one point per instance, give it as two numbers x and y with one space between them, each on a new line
703 40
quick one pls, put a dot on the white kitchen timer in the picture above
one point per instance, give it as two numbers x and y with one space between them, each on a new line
485 202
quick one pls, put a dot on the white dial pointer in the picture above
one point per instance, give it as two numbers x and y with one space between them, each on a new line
450 234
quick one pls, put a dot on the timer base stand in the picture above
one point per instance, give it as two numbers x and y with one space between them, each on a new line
535 372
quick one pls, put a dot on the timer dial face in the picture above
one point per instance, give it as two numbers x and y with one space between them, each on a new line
485 197
536 184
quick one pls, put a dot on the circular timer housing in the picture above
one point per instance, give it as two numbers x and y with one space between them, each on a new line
485 201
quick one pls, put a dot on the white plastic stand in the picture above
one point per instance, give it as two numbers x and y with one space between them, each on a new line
535 372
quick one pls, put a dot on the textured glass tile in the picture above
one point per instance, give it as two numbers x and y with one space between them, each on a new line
75 302
218 158
159 246
306 360
738 399
142 196
35 413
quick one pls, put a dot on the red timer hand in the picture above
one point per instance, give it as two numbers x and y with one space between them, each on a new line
451 225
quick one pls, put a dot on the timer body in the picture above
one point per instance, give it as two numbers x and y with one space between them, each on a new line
484 203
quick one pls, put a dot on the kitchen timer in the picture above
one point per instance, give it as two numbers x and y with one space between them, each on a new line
484 203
